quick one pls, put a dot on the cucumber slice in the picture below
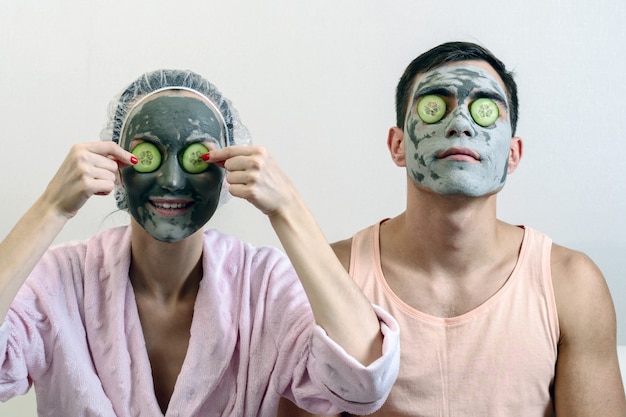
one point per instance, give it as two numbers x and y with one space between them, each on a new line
484 111
192 158
431 109
148 155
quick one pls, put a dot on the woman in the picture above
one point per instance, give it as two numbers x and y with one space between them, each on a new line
163 318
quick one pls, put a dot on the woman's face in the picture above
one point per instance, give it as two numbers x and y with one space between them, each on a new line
169 202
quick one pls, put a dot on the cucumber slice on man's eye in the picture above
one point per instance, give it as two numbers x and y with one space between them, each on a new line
192 158
431 109
484 111
148 155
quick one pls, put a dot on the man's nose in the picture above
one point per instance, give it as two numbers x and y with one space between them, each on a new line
172 177
460 124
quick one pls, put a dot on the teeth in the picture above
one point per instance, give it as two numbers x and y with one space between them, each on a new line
170 205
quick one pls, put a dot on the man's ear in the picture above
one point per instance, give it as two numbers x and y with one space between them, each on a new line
395 144
515 153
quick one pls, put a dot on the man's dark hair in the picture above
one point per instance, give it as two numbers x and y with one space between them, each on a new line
445 54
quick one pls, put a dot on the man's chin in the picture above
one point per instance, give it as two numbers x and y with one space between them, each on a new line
464 189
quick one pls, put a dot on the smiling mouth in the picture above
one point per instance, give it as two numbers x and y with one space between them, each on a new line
459 154
170 207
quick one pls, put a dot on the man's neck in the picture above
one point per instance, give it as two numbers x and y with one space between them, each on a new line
446 256
455 232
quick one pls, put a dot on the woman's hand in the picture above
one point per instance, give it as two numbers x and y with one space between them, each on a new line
89 169
252 174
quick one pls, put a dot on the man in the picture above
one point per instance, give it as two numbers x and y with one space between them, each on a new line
496 320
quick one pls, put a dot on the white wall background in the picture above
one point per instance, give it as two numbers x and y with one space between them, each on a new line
314 82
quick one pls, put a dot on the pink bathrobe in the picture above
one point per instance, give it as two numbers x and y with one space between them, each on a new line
74 331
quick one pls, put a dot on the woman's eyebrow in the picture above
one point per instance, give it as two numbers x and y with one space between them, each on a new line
145 137
201 137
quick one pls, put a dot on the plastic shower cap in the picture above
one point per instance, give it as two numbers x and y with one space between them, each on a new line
150 82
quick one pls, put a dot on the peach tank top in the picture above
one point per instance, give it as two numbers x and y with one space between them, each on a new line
496 360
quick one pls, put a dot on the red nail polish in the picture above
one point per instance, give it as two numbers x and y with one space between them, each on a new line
134 160
206 157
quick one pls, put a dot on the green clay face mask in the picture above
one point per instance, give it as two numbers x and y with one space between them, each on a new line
455 155
166 199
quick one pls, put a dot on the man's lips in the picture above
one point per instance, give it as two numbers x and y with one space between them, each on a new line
459 154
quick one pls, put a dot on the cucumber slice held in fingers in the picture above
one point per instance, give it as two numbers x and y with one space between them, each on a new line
148 155
191 160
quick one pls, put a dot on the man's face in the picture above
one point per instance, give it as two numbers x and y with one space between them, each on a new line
170 203
455 155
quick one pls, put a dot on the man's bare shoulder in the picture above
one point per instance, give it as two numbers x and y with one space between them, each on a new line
587 378
343 249
572 269
580 290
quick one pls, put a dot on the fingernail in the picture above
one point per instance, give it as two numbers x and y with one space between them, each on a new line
206 157
134 160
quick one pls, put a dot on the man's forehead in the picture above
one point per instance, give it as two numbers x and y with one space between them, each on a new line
456 73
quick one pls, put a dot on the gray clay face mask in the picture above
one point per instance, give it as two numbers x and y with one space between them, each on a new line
169 202
455 155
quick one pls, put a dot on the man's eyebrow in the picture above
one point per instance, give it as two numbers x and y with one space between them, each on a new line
489 94
439 91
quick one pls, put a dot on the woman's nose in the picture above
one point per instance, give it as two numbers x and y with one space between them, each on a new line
172 177
460 124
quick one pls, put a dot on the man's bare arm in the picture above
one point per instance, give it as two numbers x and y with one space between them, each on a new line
588 381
